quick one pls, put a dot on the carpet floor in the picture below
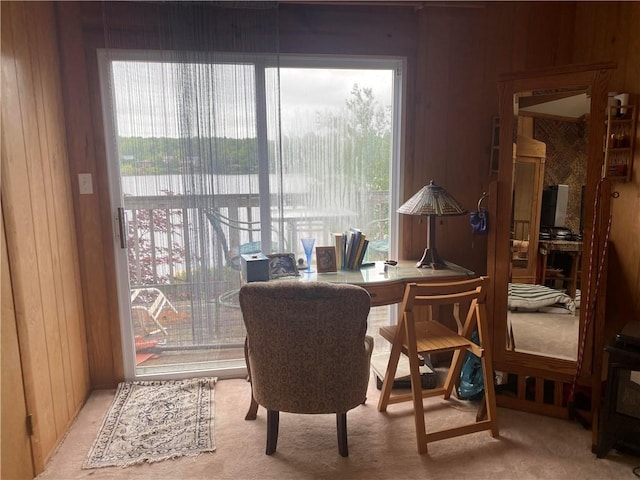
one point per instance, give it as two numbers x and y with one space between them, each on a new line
381 446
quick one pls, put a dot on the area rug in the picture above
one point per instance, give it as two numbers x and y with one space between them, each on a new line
155 421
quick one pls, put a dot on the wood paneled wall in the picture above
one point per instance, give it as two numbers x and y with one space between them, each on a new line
611 31
42 262
455 55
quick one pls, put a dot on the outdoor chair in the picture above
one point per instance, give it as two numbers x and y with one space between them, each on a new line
148 303
307 350
378 234
232 255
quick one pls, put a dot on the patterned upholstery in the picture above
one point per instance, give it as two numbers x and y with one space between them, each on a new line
307 346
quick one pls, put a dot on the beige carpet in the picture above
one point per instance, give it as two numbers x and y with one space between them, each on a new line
381 446
551 332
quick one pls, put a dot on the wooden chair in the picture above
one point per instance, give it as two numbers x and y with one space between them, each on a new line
424 336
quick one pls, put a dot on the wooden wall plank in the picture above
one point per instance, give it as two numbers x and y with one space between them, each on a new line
113 351
609 31
21 241
14 443
467 171
42 218
38 27
458 56
431 115
35 207
632 190
66 266
98 305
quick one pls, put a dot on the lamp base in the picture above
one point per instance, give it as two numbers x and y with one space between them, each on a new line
431 259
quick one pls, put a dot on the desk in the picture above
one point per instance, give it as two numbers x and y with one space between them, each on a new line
573 248
387 288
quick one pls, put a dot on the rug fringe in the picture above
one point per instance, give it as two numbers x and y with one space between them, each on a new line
166 457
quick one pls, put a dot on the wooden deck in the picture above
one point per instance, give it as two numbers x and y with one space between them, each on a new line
224 340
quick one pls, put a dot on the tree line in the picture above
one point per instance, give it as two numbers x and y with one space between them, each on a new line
360 134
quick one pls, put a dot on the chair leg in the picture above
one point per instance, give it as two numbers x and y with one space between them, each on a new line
273 419
453 376
390 374
481 414
341 422
416 384
252 413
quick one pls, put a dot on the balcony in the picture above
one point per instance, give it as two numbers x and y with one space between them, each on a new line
179 263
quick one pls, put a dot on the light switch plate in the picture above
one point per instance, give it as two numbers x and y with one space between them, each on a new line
85 184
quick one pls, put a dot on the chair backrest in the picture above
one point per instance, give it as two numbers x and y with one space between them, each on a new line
469 293
306 345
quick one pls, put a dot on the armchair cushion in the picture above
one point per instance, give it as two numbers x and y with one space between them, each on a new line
307 345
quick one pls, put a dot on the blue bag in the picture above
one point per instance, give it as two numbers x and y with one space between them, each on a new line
471 378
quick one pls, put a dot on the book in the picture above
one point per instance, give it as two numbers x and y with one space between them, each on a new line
361 253
360 249
354 240
339 239
348 247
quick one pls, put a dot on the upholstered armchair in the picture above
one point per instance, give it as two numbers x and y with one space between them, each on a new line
307 350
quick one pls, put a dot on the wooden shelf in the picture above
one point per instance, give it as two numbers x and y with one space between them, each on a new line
619 142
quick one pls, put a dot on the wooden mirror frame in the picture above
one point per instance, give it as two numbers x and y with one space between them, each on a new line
551 375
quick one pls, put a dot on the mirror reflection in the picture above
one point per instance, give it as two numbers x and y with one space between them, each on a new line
550 159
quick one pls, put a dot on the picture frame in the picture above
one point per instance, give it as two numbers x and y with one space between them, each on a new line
326 259
282 265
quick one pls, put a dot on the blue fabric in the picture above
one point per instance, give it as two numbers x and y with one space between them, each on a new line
471 378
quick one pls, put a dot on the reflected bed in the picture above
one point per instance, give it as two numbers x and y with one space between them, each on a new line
534 297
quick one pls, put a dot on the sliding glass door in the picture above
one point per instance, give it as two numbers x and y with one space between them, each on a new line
219 156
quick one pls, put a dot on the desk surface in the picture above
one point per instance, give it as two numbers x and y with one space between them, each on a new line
547 246
404 271
387 287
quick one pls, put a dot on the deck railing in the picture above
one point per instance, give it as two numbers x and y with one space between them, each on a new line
172 246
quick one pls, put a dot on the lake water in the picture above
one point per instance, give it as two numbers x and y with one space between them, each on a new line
152 185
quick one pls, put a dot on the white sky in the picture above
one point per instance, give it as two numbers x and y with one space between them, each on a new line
321 89
146 97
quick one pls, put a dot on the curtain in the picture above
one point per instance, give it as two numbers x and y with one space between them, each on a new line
223 147
195 115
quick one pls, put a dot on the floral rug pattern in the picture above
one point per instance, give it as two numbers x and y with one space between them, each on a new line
155 421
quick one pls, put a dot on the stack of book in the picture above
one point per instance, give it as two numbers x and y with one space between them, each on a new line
351 247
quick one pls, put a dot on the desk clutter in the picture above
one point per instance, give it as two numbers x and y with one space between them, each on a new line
255 267
351 247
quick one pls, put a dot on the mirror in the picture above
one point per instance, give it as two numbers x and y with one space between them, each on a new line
549 173
529 157
550 123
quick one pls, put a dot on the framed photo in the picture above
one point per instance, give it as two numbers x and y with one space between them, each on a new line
282 265
326 259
